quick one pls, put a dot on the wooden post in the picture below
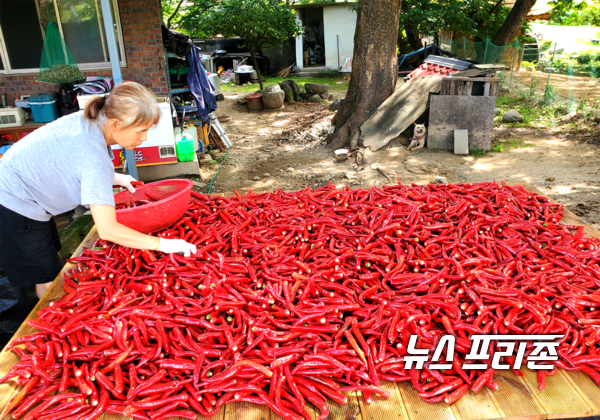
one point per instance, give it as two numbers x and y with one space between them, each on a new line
550 72
486 89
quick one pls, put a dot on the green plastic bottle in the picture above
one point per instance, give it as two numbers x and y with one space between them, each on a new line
184 144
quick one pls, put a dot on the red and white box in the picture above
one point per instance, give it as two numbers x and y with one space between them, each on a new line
159 149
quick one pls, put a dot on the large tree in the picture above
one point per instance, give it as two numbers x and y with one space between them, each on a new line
374 67
510 28
260 23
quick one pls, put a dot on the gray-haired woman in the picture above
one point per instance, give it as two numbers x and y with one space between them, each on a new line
65 164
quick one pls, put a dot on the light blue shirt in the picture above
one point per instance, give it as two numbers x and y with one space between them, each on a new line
56 168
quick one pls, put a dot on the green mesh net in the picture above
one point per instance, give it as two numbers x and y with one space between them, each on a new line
58 64
484 52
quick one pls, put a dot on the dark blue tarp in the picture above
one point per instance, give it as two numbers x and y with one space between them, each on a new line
200 86
431 50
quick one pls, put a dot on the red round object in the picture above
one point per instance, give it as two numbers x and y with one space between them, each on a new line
171 200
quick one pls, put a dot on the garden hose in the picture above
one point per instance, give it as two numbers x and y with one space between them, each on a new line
213 178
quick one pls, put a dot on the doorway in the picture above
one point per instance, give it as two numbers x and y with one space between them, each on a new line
314 37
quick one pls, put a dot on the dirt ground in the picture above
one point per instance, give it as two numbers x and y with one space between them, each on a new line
567 88
286 149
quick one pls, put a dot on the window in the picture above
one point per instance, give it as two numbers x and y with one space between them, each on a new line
22 30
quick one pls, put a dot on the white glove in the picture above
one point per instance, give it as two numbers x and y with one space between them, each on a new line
176 246
122 180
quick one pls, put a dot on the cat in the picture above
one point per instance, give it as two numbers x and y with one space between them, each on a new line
418 139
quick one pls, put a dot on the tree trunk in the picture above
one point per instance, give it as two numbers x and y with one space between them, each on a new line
374 68
510 28
413 38
412 30
253 54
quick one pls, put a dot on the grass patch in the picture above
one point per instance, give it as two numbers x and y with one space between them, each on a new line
335 83
535 112
545 112
477 152
506 145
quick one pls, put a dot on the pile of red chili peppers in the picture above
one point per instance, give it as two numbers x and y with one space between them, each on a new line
296 298
133 203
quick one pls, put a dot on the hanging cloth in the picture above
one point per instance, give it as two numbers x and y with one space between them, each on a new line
200 86
57 64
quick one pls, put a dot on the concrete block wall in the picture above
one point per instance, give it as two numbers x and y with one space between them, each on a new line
142 38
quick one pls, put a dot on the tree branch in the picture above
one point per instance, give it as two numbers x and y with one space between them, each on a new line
174 14
496 7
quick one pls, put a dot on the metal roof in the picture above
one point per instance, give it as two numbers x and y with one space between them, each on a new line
439 66
448 62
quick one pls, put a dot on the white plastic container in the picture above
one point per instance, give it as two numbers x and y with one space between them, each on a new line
206 62
23 102
215 81
341 154
12 117
83 99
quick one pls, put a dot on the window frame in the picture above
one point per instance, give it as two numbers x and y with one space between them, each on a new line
8 70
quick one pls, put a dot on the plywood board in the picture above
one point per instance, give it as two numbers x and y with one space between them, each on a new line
417 409
350 411
474 406
452 112
382 409
218 416
559 399
472 73
310 409
246 411
398 112
586 387
514 400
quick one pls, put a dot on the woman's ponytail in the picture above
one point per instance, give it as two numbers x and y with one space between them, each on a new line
93 108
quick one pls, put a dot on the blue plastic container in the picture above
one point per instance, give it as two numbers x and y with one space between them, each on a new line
44 107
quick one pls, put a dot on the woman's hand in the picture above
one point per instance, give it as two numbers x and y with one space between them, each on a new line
105 218
176 246
122 180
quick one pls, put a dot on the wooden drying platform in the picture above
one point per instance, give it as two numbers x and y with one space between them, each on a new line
567 394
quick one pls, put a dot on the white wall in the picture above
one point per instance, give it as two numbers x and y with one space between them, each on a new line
338 21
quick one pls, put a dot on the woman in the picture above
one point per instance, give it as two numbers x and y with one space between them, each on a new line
62 165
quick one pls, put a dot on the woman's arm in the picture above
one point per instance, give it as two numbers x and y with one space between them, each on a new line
105 218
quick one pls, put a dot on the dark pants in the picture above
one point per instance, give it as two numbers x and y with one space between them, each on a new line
28 249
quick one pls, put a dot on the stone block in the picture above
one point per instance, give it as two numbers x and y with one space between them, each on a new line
461 142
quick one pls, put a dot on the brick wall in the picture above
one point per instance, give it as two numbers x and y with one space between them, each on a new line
140 24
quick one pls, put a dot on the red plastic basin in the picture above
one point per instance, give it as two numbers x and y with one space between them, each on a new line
172 198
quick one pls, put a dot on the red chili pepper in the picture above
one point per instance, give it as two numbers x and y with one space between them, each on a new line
457 394
31 401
